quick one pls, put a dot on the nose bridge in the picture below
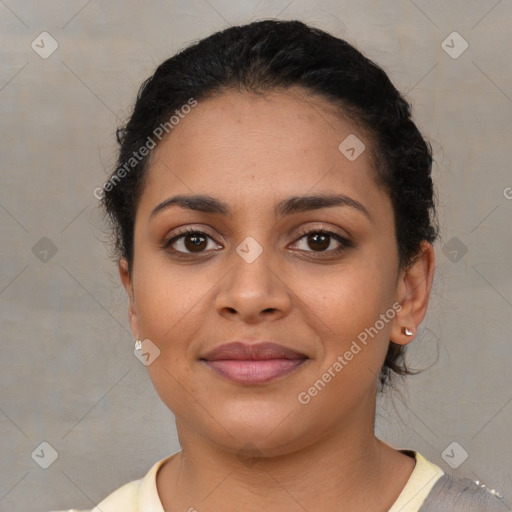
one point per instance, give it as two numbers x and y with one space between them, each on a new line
252 286
252 273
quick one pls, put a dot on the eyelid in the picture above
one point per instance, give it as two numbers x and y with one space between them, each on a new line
187 230
305 230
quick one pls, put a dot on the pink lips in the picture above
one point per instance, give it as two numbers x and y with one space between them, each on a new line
253 363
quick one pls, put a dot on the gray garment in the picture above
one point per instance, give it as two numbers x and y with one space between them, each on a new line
454 494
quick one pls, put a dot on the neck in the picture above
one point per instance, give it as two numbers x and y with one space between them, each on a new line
350 466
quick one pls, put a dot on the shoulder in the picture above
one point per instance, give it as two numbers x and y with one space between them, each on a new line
125 498
456 494
136 496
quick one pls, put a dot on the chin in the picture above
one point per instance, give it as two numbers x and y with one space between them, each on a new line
267 431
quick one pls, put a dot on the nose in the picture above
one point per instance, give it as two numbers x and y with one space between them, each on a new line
254 291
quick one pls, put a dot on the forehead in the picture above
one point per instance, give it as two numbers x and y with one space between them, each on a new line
252 149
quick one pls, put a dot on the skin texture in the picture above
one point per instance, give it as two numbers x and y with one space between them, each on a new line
252 151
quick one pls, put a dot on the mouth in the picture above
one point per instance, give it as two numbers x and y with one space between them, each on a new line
255 363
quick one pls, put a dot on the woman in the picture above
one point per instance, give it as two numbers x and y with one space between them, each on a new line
274 216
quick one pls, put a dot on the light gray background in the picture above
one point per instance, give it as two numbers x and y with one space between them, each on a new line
68 373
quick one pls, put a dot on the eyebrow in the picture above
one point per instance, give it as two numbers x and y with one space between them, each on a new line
289 206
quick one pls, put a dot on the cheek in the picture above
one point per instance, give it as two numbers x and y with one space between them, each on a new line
351 298
348 316
167 297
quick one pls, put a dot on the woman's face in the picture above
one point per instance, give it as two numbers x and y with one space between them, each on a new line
253 275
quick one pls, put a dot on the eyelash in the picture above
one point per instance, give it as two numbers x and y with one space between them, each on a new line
345 243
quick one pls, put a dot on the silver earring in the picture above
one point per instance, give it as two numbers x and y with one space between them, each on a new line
138 344
407 332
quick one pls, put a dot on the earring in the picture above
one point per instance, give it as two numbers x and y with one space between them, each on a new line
407 332
138 344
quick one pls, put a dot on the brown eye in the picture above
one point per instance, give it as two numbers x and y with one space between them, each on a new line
319 241
195 243
188 242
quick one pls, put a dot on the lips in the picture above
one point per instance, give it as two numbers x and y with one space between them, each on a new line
252 352
253 363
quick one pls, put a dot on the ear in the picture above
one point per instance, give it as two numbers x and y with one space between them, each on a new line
126 279
413 293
